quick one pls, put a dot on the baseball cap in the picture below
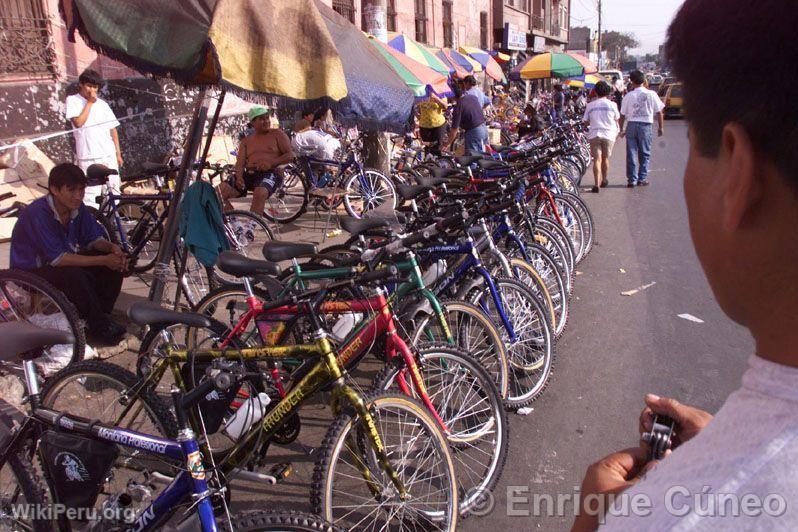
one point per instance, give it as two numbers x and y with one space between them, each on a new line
257 111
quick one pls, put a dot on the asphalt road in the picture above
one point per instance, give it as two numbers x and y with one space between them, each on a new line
617 348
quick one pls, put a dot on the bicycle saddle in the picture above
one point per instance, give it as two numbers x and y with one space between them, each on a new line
151 314
21 338
440 173
408 192
431 182
97 174
355 227
241 266
490 164
466 160
279 251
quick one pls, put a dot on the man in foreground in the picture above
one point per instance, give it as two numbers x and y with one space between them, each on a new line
58 239
638 110
741 189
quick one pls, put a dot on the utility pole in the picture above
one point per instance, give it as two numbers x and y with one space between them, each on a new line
600 37
376 144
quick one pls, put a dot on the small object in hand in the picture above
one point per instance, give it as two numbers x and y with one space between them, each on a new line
659 439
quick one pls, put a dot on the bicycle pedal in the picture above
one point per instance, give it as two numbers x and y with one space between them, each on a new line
282 471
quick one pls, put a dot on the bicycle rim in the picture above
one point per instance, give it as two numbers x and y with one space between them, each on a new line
368 193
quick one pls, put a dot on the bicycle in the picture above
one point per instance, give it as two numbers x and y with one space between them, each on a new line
76 454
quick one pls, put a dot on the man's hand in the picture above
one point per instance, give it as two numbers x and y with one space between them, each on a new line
119 160
689 420
622 134
661 131
115 250
92 95
609 476
116 262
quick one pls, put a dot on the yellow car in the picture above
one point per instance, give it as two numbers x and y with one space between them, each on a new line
672 97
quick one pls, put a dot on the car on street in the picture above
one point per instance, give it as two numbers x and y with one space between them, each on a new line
672 97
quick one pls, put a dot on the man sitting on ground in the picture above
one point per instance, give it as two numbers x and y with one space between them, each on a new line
57 238
259 156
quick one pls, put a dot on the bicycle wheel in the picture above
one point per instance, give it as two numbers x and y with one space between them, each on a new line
470 405
290 200
472 331
569 220
27 297
279 521
557 242
140 222
367 192
526 273
583 211
21 495
196 281
531 354
246 233
109 228
418 453
548 272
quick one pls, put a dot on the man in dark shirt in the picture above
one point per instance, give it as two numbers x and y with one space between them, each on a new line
558 102
469 117
57 238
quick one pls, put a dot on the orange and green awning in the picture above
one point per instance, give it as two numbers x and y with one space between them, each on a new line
419 53
548 65
421 79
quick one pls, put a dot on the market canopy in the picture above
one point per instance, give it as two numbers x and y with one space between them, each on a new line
587 81
416 51
589 66
278 48
548 65
463 60
419 78
458 70
482 57
378 98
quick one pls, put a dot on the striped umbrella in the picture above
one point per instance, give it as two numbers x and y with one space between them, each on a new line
589 66
418 52
459 70
420 78
482 57
499 56
463 60
548 65
587 81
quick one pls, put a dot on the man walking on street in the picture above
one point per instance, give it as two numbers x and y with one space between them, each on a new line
558 103
94 128
639 107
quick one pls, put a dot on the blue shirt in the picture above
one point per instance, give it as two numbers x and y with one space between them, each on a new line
483 99
40 239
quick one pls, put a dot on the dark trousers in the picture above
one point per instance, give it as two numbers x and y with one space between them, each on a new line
93 290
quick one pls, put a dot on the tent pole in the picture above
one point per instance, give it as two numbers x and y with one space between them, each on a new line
165 251
212 127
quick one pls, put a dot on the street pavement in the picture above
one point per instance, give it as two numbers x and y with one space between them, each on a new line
615 349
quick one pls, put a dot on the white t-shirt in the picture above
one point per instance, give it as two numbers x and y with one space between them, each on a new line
93 139
641 105
316 143
745 462
603 116
619 86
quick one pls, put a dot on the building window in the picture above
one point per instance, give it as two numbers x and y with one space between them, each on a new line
522 5
483 30
421 21
448 25
391 15
345 8
25 45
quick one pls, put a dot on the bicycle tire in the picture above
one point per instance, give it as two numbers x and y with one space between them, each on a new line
56 296
473 483
572 223
493 359
291 173
346 425
108 228
352 186
583 211
240 241
559 238
548 271
279 520
527 274
31 489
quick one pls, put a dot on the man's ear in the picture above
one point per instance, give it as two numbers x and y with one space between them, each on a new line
742 181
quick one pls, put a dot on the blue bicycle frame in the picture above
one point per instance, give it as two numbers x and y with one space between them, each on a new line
471 261
114 210
189 483
342 166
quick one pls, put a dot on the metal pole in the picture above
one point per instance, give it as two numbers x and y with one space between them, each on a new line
212 127
600 37
169 240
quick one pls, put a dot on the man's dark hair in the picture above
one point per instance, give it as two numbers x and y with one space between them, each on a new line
470 81
637 77
753 37
66 175
603 89
90 76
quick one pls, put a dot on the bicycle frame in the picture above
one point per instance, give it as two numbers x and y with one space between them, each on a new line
111 206
191 482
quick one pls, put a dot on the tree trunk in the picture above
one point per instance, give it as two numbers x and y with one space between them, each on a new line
376 23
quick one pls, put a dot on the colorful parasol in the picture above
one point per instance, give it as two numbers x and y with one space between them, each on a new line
482 57
548 65
587 81
589 66
463 60
421 79
279 48
458 70
499 56
416 51
378 98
